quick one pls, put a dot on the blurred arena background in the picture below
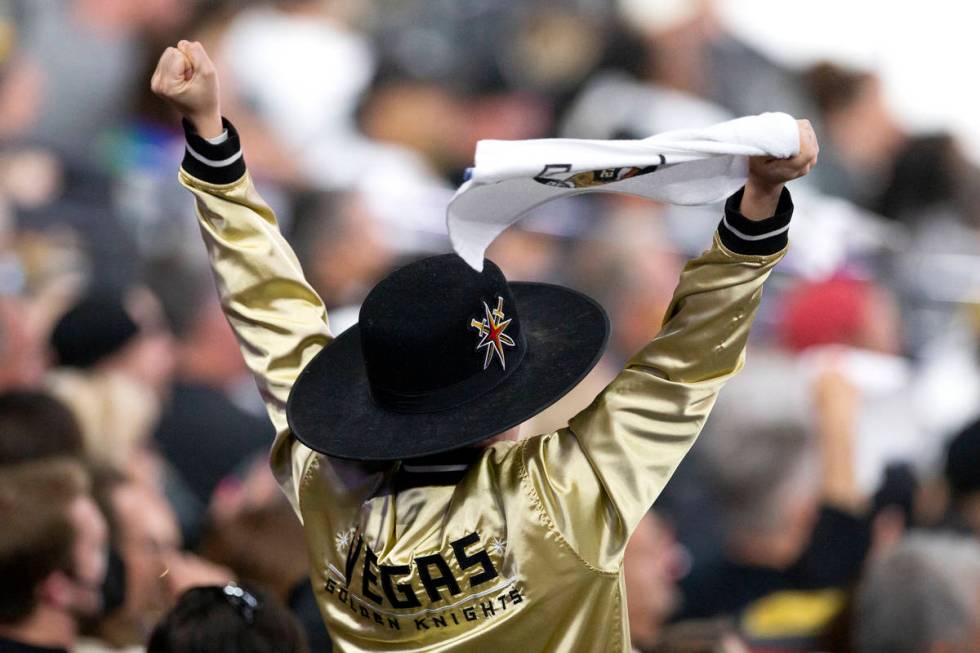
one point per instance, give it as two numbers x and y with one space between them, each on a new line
789 527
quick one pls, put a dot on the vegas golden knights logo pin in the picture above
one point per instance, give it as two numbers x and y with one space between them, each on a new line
492 336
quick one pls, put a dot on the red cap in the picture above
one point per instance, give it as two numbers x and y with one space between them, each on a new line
824 313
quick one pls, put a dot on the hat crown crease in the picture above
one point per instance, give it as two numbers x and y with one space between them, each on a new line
422 329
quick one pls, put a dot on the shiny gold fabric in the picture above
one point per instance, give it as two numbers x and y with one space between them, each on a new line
525 553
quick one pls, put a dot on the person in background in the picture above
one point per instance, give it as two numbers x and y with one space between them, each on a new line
864 135
263 544
124 332
769 497
921 597
87 55
146 538
840 311
53 546
689 48
794 536
342 245
208 369
651 566
227 619
114 362
873 161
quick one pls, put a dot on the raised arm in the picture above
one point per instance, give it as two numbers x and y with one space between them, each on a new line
278 318
596 479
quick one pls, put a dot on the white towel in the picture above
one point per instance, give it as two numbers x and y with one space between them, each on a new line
687 166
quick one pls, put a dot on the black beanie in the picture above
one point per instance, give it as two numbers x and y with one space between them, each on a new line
963 461
93 329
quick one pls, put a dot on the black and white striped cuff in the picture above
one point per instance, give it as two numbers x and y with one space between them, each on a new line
744 236
218 162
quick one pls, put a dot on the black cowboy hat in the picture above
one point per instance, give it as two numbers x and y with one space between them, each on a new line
443 357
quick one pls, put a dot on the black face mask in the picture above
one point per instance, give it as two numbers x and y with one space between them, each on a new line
113 588
111 592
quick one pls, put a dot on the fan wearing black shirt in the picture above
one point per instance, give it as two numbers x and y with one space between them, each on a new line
795 531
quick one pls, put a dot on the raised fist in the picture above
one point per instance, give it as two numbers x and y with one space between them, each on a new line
767 171
186 78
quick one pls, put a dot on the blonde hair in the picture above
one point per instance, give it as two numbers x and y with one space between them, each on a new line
117 415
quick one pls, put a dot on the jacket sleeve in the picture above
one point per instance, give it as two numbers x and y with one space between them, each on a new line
278 318
597 478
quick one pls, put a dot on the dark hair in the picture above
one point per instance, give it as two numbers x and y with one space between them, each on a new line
228 619
834 87
37 535
35 425
261 545
928 173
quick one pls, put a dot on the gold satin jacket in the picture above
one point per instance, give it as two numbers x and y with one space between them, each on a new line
525 551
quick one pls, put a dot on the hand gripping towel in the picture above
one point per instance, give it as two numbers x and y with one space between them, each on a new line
687 166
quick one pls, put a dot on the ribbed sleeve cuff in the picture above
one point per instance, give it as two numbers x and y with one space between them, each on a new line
744 236
216 164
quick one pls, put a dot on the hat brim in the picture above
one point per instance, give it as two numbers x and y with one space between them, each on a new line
331 410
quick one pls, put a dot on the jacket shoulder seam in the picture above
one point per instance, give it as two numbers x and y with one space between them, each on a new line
546 518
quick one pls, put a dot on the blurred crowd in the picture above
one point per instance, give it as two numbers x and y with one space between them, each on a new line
832 502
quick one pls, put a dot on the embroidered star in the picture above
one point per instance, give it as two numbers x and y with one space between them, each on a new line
492 329
497 545
344 538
